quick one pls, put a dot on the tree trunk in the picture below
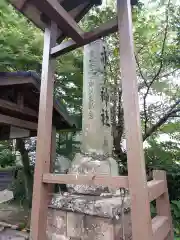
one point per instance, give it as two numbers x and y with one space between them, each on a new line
118 124
28 176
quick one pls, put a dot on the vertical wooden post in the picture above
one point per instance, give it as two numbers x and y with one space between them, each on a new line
43 149
53 158
53 147
20 100
140 207
162 203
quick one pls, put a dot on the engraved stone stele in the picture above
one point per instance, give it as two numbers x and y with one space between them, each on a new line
96 150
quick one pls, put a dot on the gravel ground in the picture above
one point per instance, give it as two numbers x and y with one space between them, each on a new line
8 234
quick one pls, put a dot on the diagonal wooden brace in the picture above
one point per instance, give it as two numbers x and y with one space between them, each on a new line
54 11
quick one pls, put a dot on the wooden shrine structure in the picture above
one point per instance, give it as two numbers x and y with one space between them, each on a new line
19 106
58 18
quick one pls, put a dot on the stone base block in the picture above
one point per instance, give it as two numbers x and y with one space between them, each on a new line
64 225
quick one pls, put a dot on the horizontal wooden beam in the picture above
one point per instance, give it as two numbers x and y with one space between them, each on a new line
19 4
156 188
4 119
160 227
54 11
77 14
18 109
104 30
16 132
104 180
6 81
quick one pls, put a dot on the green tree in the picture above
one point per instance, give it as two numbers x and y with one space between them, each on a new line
21 43
7 158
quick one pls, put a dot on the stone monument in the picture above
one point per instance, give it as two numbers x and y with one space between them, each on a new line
96 151
92 212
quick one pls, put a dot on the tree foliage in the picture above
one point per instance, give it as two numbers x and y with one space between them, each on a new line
7 158
20 42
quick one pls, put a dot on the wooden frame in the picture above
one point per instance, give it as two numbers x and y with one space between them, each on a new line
104 30
29 10
162 202
141 192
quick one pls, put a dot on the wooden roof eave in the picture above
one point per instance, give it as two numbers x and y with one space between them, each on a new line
35 10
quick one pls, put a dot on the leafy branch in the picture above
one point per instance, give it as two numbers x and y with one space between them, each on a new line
170 113
158 72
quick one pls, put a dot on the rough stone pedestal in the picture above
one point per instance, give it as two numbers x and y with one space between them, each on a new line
92 164
84 218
